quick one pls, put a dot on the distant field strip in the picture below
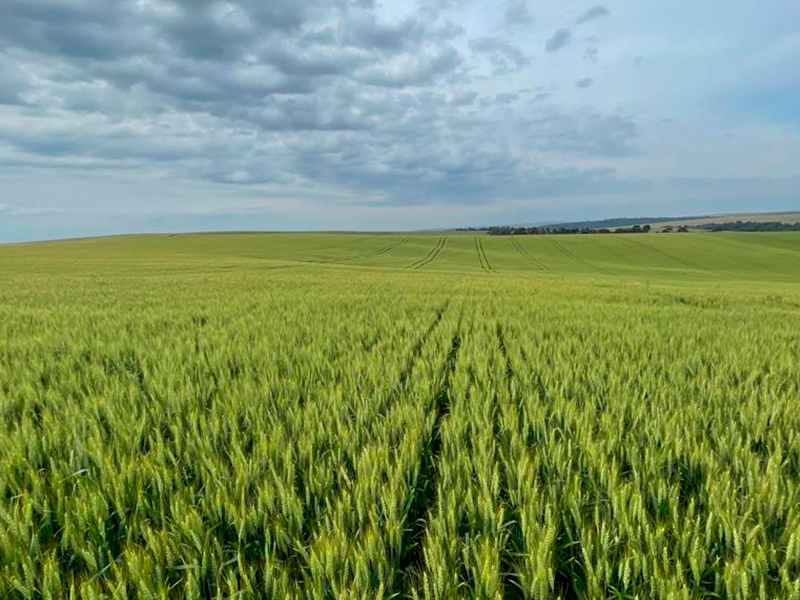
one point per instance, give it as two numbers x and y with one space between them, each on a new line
701 256
431 256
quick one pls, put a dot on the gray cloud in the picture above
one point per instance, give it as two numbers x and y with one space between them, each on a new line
563 37
596 12
558 40
584 83
463 97
407 70
398 34
14 83
584 133
517 14
503 56
506 98
327 95
434 9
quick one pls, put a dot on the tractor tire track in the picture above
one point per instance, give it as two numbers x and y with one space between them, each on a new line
484 260
566 551
575 257
539 264
679 259
433 250
423 503
405 375
391 247
339 491
514 547
431 256
616 253
335 260
756 264
378 252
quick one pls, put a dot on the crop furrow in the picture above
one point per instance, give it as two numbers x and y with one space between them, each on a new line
341 491
409 368
515 544
422 505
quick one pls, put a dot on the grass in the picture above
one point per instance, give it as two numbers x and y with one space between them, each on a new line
313 416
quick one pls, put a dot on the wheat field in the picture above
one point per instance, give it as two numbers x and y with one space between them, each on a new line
427 416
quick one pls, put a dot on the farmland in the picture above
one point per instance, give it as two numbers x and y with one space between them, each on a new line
696 222
428 416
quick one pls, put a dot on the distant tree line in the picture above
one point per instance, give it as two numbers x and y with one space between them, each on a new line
564 230
751 226
572 230
618 222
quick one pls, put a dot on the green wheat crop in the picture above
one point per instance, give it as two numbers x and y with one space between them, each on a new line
320 417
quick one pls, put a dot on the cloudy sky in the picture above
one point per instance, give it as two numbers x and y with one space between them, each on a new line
165 115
